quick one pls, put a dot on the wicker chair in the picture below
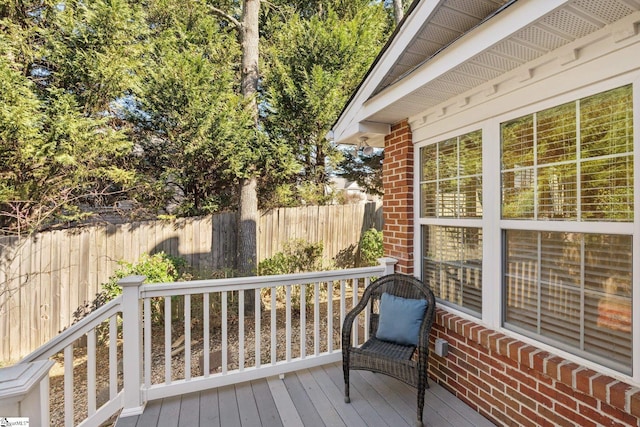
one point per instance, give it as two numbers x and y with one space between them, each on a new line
385 357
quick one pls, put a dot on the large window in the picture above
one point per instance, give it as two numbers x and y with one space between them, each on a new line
451 191
573 162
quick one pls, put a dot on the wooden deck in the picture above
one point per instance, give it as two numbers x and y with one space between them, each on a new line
311 397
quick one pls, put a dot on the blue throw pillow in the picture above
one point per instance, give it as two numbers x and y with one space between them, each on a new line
400 319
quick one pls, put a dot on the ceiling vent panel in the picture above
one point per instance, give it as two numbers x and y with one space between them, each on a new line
478 9
425 46
518 51
460 79
569 23
497 62
451 19
605 10
536 36
478 71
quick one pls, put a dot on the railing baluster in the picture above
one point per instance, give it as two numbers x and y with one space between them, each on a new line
147 341
354 287
273 325
366 312
91 372
316 318
187 337
113 357
288 322
205 334
257 327
68 385
224 332
303 321
330 316
343 305
167 340
241 330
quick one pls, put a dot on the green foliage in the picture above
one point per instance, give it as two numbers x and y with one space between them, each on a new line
363 169
158 268
298 256
312 63
371 247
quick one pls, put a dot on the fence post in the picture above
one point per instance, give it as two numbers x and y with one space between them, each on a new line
389 264
132 345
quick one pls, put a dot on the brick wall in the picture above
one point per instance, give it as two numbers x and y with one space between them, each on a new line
397 181
516 384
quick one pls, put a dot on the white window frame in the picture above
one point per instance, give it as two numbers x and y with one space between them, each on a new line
493 225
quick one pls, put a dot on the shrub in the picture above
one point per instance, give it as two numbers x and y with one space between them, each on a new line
371 247
298 256
157 268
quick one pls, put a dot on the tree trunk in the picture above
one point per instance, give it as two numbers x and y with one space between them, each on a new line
247 227
248 205
398 10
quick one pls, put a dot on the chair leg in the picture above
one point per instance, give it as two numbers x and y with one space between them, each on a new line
345 370
421 393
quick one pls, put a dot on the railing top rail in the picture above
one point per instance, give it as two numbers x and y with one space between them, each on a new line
75 331
254 282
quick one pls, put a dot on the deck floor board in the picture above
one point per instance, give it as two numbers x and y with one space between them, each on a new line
310 397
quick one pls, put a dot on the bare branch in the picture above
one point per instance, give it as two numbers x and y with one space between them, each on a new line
226 16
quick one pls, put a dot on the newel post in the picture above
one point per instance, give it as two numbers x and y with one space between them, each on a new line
132 345
389 265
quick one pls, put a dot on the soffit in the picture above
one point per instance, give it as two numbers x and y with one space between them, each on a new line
450 20
572 21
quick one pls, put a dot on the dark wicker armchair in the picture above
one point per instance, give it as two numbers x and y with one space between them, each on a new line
387 357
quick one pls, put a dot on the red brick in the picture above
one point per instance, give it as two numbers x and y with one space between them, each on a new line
573 416
598 416
525 401
566 372
618 394
634 403
618 414
583 380
565 396
539 396
552 366
554 418
525 353
491 400
539 360
520 419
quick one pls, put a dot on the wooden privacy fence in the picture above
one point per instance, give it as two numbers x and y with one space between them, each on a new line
46 277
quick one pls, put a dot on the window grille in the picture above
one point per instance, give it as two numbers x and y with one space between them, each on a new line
572 162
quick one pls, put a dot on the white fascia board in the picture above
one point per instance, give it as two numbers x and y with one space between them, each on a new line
508 22
413 24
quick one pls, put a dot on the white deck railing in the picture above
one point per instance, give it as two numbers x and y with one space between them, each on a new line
156 338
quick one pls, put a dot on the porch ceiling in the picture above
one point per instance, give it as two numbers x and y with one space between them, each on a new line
566 24
432 69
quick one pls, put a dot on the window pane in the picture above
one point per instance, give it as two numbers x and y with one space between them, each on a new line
451 178
572 290
448 159
557 189
428 199
518 194
521 279
606 123
517 143
429 157
607 189
546 175
556 137
452 265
